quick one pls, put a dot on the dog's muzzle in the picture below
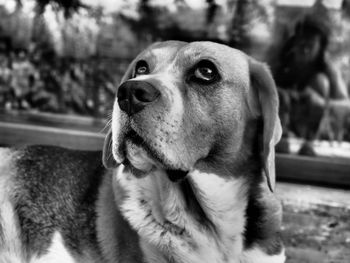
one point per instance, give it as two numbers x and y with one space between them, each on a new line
134 96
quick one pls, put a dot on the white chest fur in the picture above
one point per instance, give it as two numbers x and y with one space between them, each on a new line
156 209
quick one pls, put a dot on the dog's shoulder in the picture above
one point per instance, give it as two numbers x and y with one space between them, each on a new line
52 191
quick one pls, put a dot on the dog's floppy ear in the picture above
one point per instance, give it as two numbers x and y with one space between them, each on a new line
107 156
267 98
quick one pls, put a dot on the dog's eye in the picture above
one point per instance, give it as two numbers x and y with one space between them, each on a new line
205 72
141 68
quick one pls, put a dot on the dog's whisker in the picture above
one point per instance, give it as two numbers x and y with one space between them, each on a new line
107 125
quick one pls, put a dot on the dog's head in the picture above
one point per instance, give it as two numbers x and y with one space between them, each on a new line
182 103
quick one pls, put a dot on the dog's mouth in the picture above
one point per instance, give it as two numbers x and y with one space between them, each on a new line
141 158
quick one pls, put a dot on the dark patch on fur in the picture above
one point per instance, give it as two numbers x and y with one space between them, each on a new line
176 175
262 227
127 247
56 191
193 205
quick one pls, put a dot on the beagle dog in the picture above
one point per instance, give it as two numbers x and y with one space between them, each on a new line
186 175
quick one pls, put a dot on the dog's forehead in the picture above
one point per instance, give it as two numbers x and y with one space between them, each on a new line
210 49
163 52
179 50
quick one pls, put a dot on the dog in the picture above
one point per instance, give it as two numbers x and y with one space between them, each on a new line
186 173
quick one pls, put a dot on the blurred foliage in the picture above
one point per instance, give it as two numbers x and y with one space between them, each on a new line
74 55
68 6
29 81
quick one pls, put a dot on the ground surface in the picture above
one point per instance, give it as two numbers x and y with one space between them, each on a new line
316 223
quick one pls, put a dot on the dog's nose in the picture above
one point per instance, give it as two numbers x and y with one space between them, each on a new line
134 96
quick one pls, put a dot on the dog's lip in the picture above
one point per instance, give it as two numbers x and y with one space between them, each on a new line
139 141
135 138
174 175
136 172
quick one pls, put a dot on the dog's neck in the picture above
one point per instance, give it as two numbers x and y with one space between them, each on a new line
200 219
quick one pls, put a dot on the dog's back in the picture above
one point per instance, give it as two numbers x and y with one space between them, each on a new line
47 199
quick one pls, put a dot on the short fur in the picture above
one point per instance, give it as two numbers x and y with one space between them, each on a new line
189 178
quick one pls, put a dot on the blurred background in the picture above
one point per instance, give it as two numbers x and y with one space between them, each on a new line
67 57
61 61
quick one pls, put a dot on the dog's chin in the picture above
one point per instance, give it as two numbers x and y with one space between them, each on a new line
140 159
137 160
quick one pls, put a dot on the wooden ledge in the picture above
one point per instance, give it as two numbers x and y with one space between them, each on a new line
316 170
17 134
85 133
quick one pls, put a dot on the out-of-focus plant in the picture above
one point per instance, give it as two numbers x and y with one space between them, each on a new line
68 6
